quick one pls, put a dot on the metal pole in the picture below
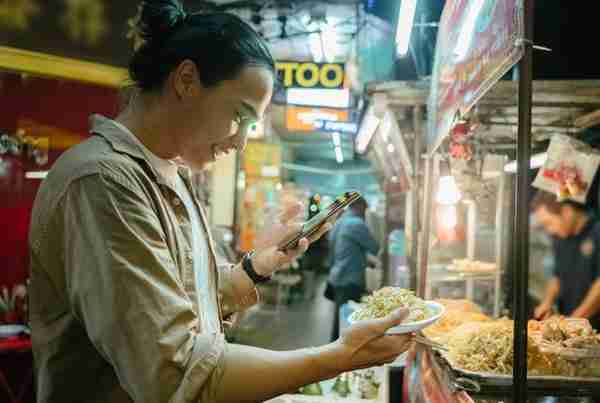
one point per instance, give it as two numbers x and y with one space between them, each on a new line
508 247
385 257
424 241
471 228
521 276
471 244
499 241
418 145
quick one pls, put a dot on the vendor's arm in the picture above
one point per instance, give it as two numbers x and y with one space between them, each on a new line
544 309
591 304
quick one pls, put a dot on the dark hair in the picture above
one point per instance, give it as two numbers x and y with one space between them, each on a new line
550 202
359 204
220 44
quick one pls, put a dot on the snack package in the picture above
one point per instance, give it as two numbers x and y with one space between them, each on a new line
569 169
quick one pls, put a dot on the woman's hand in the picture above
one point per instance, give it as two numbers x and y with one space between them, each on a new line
267 258
365 344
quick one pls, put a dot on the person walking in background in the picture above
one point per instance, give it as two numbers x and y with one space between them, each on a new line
350 242
314 259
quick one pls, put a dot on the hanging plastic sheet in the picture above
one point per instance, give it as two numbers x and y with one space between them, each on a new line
478 42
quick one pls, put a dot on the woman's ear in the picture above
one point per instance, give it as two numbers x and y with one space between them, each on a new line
185 79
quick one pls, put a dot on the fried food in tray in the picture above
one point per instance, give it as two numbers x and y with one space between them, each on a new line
462 305
568 338
458 312
487 347
472 266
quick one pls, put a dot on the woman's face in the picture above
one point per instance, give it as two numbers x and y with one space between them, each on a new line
217 118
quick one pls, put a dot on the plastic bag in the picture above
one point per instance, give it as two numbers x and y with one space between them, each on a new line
569 169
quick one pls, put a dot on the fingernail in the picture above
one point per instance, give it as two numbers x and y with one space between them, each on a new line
400 313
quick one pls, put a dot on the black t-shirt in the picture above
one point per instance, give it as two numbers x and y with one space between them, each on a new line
577 266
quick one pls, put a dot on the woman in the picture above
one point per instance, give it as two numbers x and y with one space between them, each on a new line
127 303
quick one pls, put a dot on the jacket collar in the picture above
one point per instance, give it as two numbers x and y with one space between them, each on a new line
123 142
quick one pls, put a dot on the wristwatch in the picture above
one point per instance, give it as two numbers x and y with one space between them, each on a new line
248 267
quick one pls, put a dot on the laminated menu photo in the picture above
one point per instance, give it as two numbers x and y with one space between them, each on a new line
569 169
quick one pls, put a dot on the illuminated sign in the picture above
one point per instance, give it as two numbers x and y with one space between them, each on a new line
311 75
340 127
304 119
330 98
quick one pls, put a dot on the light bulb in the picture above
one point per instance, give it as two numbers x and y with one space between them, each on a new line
448 192
448 216
405 25
339 155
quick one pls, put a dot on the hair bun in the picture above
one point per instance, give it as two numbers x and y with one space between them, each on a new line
156 19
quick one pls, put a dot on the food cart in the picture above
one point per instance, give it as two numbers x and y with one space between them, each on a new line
476 125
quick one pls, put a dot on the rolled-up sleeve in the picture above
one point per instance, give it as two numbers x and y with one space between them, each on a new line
124 287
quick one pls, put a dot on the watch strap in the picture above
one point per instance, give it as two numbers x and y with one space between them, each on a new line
248 267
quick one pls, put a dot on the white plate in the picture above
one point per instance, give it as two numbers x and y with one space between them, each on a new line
411 327
11 330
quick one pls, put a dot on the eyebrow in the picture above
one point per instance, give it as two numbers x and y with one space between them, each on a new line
249 109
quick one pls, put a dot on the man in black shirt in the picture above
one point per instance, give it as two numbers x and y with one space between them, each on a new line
575 285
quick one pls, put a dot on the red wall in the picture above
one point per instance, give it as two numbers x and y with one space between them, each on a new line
59 107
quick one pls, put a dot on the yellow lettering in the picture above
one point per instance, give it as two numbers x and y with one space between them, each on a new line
338 78
301 77
288 72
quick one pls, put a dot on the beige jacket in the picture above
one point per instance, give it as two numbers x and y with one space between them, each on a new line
114 310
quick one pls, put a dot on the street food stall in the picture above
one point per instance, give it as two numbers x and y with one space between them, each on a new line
483 131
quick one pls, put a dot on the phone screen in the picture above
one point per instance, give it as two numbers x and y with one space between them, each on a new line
312 225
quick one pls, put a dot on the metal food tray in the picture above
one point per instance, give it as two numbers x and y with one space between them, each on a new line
481 384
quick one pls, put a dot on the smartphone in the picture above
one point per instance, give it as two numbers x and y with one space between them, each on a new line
313 225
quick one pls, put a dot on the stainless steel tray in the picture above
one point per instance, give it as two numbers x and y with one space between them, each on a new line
490 384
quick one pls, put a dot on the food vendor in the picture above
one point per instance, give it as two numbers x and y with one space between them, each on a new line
575 284
127 302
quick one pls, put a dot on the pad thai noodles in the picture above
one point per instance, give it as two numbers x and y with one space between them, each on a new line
386 300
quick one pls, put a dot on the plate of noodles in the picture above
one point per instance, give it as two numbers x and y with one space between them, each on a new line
388 299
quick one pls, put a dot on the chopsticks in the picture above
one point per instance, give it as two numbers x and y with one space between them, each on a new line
422 340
